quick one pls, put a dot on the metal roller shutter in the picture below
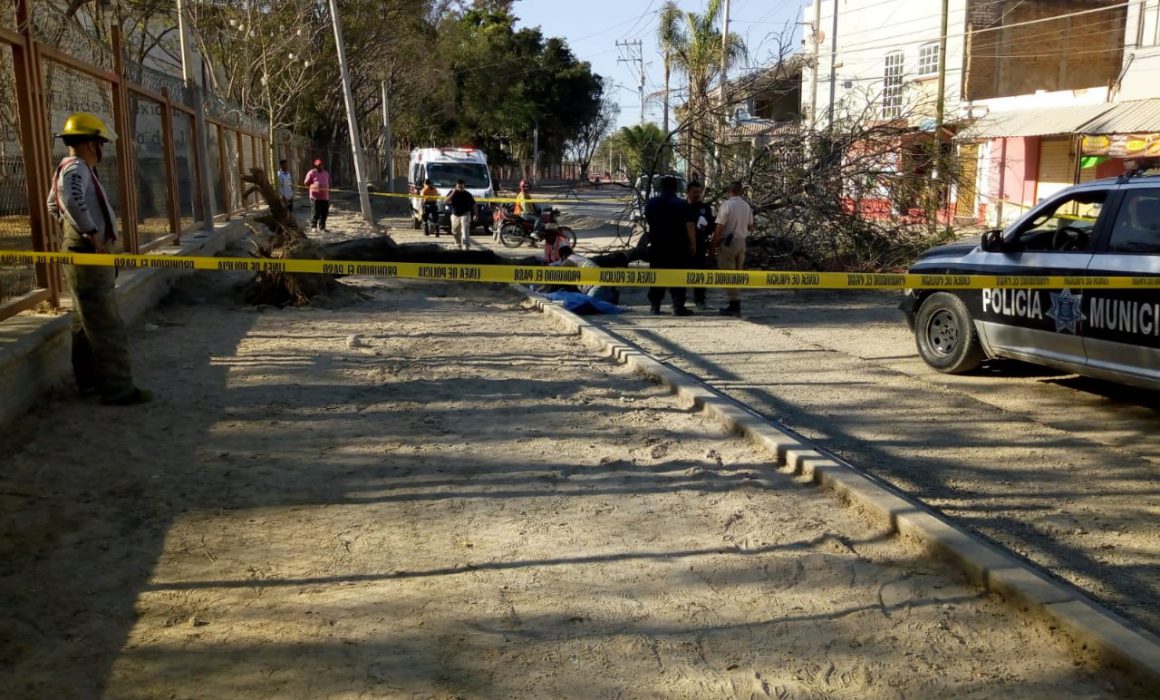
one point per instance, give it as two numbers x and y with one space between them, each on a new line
1056 171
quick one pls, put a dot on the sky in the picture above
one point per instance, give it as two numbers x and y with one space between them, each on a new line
592 28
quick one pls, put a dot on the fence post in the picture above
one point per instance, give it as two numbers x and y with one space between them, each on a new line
223 169
170 167
124 151
35 140
241 169
201 155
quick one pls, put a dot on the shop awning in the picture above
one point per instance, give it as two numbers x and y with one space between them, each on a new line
1033 122
1132 117
1126 130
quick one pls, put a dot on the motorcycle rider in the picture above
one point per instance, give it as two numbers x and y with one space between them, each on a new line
527 210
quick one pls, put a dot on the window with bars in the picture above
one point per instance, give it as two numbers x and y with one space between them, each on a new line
892 86
1150 23
928 58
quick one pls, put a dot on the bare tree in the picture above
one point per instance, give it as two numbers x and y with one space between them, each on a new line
584 146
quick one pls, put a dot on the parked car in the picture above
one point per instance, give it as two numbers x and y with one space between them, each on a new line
646 193
1102 228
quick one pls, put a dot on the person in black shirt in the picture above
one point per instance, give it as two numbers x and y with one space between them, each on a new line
462 208
672 242
703 223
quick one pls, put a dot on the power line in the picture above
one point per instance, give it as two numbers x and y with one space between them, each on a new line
605 30
642 16
1047 34
888 43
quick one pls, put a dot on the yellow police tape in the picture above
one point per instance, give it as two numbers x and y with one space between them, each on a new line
500 200
620 277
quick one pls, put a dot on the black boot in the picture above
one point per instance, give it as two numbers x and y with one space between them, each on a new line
734 309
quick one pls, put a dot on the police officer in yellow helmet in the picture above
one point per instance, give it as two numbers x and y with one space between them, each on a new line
78 201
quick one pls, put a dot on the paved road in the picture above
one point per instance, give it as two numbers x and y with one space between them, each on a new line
1058 468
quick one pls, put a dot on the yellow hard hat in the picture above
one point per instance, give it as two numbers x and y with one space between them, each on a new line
85 124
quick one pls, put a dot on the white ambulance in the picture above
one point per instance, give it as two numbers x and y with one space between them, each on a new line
444 167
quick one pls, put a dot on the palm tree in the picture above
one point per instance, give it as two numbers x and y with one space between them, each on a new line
693 46
645 148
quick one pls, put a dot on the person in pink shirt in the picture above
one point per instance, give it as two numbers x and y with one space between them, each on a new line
318 180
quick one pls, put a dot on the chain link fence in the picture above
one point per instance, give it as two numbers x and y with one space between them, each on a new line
15 226
184 164
153 215
152 176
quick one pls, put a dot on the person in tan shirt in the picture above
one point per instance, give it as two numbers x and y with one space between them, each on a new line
734 222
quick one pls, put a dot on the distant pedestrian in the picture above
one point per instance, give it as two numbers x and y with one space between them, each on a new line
318 180
77 200
286 184
703 223
734 222
672 242
462 209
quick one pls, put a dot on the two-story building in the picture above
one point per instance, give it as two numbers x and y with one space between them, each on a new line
1025 82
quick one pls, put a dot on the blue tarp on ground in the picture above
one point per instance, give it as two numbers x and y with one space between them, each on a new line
579 303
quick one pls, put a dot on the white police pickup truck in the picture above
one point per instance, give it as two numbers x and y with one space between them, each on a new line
1102 228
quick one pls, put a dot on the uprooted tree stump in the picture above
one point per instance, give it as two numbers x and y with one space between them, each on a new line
286 239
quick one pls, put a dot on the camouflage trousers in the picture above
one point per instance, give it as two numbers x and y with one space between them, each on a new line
100 343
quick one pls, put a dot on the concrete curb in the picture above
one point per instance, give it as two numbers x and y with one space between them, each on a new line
1095 630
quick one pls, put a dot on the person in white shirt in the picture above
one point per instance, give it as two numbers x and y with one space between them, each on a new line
734 222
286 184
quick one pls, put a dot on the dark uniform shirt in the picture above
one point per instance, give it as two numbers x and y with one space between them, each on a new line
703 219
668 217
462 203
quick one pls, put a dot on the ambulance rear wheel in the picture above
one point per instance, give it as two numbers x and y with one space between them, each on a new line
945 335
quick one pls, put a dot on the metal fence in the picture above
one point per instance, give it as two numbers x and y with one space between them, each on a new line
51 67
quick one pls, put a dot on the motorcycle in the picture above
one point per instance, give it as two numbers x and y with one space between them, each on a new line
514 230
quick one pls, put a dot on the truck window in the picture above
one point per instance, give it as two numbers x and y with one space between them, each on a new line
1064 226
1137 228
447 174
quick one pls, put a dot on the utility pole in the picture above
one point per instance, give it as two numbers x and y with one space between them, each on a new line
634 51
724 97
668 76
535 151
833 69
724 52
940 105
352 124
388 141
817 30
193 99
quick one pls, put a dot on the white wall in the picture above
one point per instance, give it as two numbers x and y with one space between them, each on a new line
867 31
1141 77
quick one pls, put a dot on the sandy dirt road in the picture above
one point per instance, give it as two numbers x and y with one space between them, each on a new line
431 493
1060 469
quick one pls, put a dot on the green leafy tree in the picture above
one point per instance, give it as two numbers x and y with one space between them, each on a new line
503 84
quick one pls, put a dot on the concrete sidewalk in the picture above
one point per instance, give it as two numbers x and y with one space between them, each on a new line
433 493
